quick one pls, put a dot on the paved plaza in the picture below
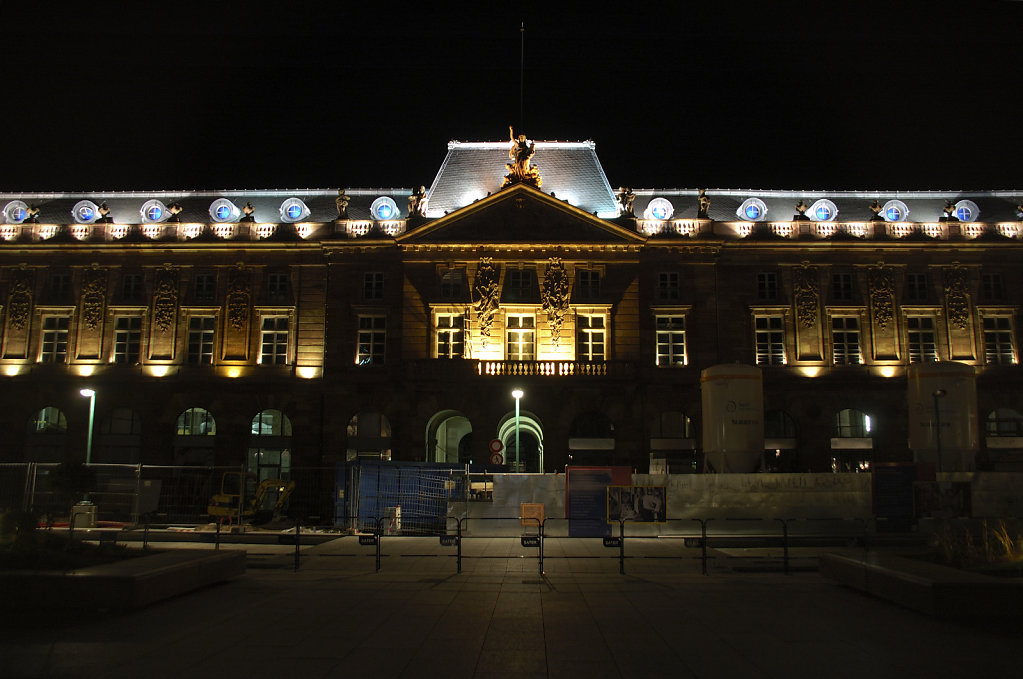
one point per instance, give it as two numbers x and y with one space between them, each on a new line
338 617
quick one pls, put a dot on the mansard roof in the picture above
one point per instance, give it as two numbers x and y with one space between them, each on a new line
474 170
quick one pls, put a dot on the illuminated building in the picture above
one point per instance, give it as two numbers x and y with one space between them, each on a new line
314 328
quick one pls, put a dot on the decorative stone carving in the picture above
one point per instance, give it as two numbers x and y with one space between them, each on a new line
554 297
957 296
625 199
876 208
807 295
486 293
19 299
165 298
94 296
417 203
238 297
341 202
882 294
948 212
702 204
520 170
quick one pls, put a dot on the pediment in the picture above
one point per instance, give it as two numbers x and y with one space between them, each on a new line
520 214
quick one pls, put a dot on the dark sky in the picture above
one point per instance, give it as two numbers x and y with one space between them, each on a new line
299 94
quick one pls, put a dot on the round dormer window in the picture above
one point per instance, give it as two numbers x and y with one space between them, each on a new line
222 210
383 209
895 211
15 212
153 212
752 210
85 212
967 211
822 211
293 210
659 209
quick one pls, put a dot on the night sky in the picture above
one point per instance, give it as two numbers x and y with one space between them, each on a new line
221 95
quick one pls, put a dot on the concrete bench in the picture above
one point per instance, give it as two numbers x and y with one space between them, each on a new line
129 583
925 587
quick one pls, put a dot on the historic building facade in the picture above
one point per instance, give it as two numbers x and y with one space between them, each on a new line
304 328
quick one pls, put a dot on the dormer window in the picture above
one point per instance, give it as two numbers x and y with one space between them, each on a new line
752 210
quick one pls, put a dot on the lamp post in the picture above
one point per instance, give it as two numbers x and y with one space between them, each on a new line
91 395
938 394
517 394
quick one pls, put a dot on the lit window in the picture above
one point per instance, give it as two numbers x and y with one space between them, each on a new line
770 340
274 341
450 334
200 340
196 422
851 423
15 212
999 347
127 339
521 337
671 340
54 339
590 343
49 420
845 338
920 339
371 340
1004 422
967 211
271 423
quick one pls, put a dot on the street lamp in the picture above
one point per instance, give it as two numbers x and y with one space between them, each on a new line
516 394
91 395
938 394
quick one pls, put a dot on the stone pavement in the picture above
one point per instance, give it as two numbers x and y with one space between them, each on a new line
337 617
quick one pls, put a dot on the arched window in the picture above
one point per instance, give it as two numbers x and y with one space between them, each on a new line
852 446
449 438
120 437
49 420
271 423
196 422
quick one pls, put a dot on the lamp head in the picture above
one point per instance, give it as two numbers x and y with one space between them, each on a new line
516 393
87 393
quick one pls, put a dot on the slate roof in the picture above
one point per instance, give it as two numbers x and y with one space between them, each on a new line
473 170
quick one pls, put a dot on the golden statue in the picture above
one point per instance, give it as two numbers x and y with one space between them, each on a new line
520 170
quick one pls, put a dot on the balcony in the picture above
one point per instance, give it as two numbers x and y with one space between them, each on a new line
455 369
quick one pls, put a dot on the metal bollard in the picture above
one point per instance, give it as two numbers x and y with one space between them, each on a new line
298 540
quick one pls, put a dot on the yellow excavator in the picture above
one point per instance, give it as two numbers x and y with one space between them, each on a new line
224 506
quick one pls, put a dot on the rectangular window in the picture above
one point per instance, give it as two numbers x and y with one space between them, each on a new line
131 287
590 343
770 340
920 339
671 340
767 285
999 347
60 286
521 337
845 340
371 340
277 287
204 287
452 284
916 287
373 285
200 340
589 284
520 285
667 285
55 335
127 339
842 286
274 341
991 286
450 334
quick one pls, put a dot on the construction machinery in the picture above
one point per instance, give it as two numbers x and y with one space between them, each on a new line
261 507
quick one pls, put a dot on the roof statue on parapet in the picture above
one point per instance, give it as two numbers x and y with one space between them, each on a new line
32 215
104 213
702 204
801 208
948 212
417 203
250 213
520 170
876 208
1019 211
625 199
175 211
342 204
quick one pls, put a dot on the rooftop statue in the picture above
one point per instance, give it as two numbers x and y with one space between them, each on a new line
520 170
417 203
703 204
342 204
801 208
625 200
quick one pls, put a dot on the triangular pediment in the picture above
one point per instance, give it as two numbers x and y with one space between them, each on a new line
520 214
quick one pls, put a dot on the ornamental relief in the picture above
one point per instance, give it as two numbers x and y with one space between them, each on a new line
238 298
807 295
486 295
957 296
19 299
554 297
165 298
882 294
94 295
